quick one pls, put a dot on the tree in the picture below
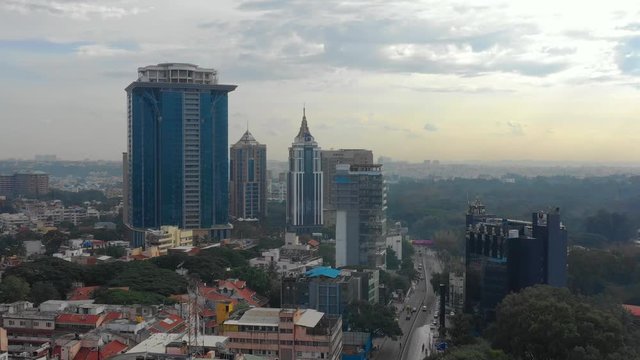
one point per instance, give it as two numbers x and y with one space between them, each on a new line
542 322
124 297
52 241
437 279
13 288
10 246
373 318
480 351
392 259
460 332
613 225
43 291
113 251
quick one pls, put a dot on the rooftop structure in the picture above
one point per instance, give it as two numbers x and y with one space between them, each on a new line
177 73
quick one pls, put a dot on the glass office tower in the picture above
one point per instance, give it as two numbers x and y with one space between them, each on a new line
176 167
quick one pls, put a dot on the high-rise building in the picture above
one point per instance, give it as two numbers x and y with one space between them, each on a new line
504 256
331 158
29 183
177 159
248 179
361 203
304 183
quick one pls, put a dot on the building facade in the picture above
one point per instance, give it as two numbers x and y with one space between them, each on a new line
330 290
304 183
248 178
177 159
331 158
361 203
28 184
505 255
285 334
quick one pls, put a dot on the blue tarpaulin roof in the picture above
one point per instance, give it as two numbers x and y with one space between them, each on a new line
323 271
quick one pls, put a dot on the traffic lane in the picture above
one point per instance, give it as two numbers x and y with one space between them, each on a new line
416 338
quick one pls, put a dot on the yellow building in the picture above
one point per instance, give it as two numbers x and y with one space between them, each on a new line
169 237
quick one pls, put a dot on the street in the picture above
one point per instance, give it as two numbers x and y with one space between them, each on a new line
416 330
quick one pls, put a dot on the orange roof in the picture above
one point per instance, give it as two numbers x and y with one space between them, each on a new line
633 309
313 243
83 293
139 257
79 319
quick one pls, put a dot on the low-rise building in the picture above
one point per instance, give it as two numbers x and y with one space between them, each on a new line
286 334
29 327
168 237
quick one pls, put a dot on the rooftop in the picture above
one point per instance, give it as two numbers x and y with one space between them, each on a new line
323 271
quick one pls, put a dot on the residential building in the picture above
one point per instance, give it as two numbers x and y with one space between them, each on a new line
28 184
504 255
329 160
361 204
291 258
304 183
168 237
177 151
248 178
285 334
29 327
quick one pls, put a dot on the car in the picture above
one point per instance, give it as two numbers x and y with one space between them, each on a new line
452 313
434 322
424 308
408 317
414 309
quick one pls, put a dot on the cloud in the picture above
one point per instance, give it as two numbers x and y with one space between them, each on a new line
430 127
75 9
515 128
100 50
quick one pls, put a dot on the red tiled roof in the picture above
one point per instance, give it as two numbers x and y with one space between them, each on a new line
172 323
111 349
313 243
240 290
139 257
633 309
79 319
83 293
112 315
208 313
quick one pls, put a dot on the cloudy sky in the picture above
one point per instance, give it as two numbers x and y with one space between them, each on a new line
413 80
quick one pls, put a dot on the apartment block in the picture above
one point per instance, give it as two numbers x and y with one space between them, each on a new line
286 334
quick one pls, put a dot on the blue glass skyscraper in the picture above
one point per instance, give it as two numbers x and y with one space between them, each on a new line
176 168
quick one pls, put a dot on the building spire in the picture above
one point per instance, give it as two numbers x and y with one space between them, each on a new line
304 135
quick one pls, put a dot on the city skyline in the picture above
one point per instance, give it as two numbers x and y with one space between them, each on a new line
447 80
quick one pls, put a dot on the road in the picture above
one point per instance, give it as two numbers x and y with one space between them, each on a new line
416 329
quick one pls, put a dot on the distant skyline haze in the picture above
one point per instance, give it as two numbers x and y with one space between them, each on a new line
446 80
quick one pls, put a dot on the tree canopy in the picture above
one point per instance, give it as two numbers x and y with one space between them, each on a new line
542 322
373 318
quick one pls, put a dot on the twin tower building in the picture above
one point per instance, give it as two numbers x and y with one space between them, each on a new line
178 170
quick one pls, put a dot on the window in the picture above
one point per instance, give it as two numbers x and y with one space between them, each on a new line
11 322
35 323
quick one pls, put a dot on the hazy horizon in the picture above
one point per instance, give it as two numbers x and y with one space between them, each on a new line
452 81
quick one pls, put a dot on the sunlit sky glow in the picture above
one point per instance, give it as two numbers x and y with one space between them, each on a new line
412 80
